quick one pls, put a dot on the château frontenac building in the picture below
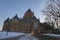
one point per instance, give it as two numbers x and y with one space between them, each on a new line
29 23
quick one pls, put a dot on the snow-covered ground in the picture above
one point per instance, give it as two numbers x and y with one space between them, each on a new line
10 34
28 37
53 35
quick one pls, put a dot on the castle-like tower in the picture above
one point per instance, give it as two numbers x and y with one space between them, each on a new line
28 23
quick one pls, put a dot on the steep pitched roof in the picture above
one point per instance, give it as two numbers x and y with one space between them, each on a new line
7 20
29 10
16 17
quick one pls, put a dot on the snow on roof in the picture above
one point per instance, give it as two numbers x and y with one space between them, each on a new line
9 34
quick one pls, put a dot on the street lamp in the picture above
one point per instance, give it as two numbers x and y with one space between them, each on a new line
8 29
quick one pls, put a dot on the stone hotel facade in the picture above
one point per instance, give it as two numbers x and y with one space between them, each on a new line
29 23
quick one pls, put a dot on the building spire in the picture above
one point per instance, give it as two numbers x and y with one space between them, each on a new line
29 10
15 16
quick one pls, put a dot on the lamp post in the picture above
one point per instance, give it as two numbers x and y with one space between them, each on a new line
8 29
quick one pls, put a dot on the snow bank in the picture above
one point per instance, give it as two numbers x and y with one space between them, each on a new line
10 34
53 35
28 37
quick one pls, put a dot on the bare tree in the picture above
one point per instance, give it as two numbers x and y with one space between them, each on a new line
52 10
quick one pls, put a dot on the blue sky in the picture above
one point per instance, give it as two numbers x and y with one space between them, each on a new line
9 8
